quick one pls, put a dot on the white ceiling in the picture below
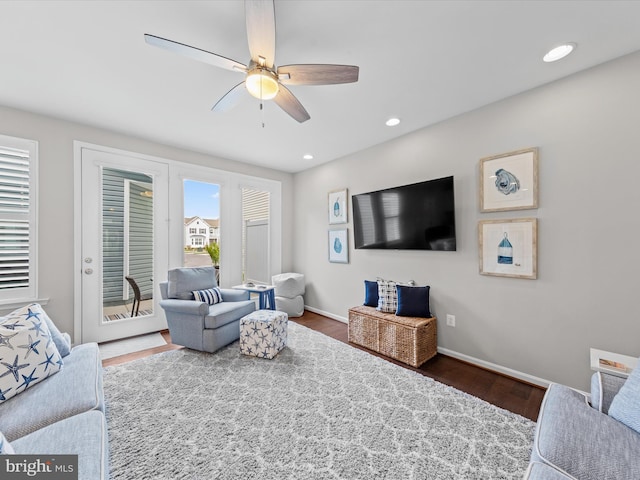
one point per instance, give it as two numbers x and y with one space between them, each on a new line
423 61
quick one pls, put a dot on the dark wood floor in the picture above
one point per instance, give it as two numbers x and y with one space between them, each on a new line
505 392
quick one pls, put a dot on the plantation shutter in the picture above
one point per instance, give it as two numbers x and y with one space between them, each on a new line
17 218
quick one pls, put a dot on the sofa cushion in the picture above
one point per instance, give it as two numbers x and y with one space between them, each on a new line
183 281
413 301
5 446
84 435
75 389
370 293
29 355
582 442
625 406
210 295
604 388
226 312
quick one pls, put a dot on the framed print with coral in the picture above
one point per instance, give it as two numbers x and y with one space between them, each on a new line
338 206
509 181
338 246
509 248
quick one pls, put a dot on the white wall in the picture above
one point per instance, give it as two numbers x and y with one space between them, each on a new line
586 128
55 219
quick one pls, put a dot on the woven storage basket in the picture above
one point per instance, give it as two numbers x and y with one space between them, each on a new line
411 340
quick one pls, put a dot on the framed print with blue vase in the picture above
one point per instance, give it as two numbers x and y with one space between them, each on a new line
339 246
338 206
508 248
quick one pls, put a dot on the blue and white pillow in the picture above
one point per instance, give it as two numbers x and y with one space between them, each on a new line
5 446
210 295
35 313
625 406
28 354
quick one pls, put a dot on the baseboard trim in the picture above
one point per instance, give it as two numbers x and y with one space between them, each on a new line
327 314
525 377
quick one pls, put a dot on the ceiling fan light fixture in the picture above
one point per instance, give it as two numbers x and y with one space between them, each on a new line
262 84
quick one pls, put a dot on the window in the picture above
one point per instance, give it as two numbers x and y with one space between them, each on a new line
18 236
255 235
203 231
192 230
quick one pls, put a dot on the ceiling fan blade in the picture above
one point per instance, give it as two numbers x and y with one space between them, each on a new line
195 53
230 99
317 74
261 31
290 104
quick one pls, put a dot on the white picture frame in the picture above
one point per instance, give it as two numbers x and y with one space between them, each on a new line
339 246
337 206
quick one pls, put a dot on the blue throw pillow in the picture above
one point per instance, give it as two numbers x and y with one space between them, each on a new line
210 295
625 406
413 301
370 293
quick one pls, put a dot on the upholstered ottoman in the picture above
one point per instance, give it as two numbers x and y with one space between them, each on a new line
263 333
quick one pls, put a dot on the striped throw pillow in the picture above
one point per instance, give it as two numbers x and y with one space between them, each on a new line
210 296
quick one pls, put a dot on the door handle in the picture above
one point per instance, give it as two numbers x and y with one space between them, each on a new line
88 271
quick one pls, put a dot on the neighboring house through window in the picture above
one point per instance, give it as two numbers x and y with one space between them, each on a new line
18 214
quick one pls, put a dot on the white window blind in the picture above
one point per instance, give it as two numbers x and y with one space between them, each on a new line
18 159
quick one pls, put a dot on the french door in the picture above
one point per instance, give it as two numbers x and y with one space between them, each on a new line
124 245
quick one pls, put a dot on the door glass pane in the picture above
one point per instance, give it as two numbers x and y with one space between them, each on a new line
255 236
127 245
202 225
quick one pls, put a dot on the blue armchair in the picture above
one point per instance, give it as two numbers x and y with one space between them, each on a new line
198 325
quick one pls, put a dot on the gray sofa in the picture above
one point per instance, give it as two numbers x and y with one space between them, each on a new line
63 414
578 440
198 325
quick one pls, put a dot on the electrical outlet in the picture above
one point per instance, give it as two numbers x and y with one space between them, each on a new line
451 320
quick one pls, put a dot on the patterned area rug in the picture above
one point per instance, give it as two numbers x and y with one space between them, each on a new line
319 410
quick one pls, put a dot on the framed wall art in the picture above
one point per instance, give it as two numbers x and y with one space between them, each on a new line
338 206
509 181
508 248
338 246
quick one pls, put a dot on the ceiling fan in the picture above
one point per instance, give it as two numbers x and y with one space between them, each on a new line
263 79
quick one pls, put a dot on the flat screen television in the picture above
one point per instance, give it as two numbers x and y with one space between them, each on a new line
420 216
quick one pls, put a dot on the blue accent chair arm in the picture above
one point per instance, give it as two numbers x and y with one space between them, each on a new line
188 307
231 295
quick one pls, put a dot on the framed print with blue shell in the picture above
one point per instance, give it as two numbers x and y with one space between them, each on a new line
338 246
509 248
338 206
509 181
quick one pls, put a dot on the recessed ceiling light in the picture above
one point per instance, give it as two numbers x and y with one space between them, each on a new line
559 52
307 156
392 122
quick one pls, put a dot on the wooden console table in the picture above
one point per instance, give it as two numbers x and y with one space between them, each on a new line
411 340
